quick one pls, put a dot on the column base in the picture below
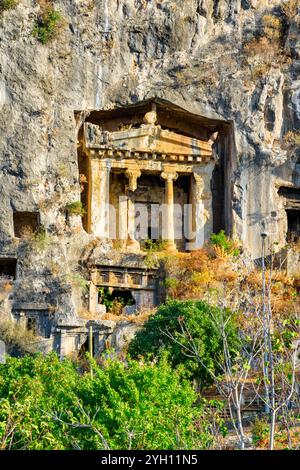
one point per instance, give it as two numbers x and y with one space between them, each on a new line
169 245
133 245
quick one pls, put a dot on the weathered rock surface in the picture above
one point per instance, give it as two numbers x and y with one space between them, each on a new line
118 52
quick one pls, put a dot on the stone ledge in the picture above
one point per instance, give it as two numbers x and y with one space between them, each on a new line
30 306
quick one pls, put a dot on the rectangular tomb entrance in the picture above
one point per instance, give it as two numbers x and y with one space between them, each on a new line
123 289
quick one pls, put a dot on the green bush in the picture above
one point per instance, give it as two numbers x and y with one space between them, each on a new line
201 321
75 208
8 4
41 239
152 245
112 303
224 242
46 404
260 430
47 26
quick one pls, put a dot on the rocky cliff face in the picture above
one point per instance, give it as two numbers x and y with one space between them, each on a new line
234 60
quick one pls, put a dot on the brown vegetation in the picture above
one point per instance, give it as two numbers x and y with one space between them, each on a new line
203 274
16 337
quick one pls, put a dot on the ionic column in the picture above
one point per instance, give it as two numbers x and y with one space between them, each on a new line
132 174
168 223
99 197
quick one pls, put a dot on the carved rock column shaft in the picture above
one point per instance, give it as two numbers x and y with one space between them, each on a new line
99 197
132 174
201 210
168 221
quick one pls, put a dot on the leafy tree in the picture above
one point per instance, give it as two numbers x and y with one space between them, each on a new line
46 404
166 331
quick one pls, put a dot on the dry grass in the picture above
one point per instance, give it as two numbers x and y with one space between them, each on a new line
290 8
262 47
282 440
16 337
204 275
87 315
139 318
260 71
272 27
6 286
45 6
292 138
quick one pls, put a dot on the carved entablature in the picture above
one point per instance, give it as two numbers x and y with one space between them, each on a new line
126 277
147 141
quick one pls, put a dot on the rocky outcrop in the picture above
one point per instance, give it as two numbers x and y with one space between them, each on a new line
205 56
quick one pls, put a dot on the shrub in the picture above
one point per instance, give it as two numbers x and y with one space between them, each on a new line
40 239
47 26
260 430
75 208
222 241
152 245
8 4
113 304
201 321
48 404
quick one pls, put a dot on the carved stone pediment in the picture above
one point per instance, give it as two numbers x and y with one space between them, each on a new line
149 138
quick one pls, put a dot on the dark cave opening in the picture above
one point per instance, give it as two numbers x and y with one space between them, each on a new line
8 267
25 223
293 231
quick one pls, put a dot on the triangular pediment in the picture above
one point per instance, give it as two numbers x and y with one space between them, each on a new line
149 138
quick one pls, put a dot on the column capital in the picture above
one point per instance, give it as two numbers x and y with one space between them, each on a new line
169 175
132 174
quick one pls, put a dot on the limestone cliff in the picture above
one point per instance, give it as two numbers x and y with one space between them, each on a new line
232 60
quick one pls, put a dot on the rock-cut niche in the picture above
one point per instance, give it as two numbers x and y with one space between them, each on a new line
151 153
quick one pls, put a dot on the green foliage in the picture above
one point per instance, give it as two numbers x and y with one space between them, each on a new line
171 283
75 208
113 304
46 404
154 245
200 323
8 4
260 430
40 239
225 243
47 26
